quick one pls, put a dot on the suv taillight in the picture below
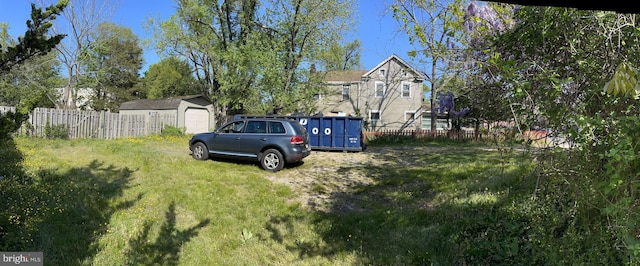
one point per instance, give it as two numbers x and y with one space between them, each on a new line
297 140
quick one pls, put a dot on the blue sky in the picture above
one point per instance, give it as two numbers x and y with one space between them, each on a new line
377 30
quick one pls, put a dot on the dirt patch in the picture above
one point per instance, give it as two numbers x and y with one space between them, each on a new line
327 176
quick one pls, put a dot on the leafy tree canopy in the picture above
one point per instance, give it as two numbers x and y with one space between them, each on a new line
112 64
35 41
256 56
170 77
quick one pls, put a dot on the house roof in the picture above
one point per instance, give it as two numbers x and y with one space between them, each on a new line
358 75
419 74
345 75
158 104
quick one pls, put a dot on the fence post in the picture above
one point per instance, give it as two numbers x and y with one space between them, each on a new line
101 120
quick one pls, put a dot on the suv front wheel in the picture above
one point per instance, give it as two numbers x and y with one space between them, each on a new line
271 160
199 151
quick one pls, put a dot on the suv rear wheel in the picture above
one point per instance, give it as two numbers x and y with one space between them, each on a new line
271 160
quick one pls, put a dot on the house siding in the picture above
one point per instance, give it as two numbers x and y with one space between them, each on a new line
363 99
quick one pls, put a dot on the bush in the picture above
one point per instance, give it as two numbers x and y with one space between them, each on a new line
9 123
56 131
171 131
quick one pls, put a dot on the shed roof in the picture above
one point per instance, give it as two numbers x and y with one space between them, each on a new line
158 104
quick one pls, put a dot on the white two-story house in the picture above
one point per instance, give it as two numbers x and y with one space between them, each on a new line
388 97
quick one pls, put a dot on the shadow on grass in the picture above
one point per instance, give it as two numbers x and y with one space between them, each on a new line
165 250
402 219
60 212
252 162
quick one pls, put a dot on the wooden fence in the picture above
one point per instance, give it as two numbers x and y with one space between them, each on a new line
539 136
92 124
422 134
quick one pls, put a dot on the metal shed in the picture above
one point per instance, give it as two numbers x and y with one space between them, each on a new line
193 113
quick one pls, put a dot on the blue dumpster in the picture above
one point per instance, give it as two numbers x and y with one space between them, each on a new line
341 133
335 133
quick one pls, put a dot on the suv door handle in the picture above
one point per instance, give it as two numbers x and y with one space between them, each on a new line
263 139
237 138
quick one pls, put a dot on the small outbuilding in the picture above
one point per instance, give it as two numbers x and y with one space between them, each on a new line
193 113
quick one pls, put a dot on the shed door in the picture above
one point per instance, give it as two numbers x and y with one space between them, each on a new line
196 120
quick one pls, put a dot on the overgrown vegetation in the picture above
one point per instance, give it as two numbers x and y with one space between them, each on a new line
568 72
60 131
145 201
171 131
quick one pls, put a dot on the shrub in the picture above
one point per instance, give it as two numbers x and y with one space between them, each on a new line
9 123
171 131
56 131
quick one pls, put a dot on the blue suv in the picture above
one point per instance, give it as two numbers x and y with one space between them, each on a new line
272 142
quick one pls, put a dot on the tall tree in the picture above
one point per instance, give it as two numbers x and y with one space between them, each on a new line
303 29
484 90
112 65
35 42
170 77
214 37
33 81
431 24
254 57
342 57
80 20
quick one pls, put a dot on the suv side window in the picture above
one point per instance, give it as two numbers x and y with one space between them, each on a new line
235 127
276 128
256 127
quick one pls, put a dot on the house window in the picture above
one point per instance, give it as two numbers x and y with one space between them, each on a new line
441 123
374 115
406 90
345 92
382 72
317 96
379 89
409 115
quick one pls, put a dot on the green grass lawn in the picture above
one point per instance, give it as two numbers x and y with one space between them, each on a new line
145 201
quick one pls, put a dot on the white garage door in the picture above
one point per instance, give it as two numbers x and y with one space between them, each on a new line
196 120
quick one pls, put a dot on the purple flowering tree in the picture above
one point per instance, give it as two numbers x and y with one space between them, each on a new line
447 106
485 89
431 25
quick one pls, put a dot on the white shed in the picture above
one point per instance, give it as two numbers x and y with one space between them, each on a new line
193 113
